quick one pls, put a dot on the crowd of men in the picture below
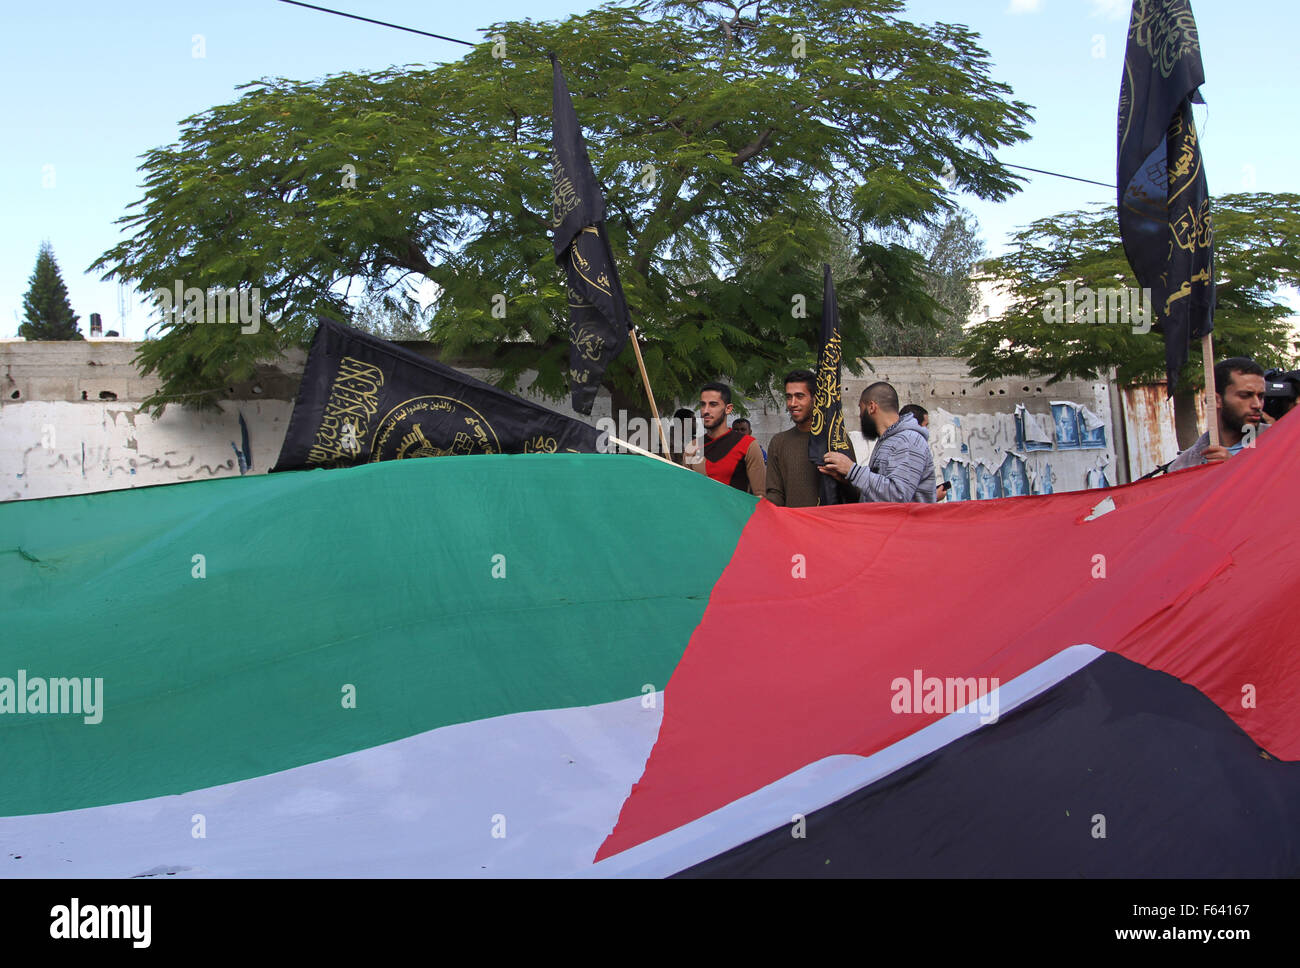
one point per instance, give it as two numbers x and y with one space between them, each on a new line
901 466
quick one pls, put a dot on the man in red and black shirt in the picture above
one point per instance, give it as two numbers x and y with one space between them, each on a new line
730 456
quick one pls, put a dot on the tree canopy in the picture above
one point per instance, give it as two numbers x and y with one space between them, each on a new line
727 136
387 316
1257 253
47 310
952 249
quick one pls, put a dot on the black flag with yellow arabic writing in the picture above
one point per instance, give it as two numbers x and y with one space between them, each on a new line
598 318
1164 203
828 432
365 399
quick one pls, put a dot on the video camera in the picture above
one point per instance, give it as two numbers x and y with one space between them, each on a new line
1281 388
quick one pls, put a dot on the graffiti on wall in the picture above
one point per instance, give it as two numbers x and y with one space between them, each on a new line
49 448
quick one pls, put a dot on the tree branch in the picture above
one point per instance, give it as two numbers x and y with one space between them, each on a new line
753 148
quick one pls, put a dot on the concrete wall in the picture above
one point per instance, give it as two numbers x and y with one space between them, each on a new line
49 448
70 422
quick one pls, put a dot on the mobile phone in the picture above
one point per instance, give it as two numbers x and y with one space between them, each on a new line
945 485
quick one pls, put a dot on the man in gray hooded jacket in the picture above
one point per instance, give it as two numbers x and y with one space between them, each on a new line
901 467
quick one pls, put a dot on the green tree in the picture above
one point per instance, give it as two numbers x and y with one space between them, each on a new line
710 124
780 258
951 250
46 308
1257 253
388 317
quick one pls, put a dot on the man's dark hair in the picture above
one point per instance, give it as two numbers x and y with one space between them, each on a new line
916 410
884 396
720 388
742 420
803 376
1224 369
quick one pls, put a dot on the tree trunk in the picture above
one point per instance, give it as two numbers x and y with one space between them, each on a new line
1185 424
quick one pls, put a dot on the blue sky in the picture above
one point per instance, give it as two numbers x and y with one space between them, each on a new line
90 87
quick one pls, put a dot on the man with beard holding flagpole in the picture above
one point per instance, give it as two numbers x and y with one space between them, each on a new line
901 468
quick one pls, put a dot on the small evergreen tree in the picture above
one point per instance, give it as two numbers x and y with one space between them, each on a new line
46 307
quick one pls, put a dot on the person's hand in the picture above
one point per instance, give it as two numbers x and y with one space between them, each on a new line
836 465
1216 453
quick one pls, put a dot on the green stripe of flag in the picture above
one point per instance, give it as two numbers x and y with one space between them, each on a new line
379 577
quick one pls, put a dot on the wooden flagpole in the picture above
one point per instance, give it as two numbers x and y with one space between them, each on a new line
1211 408
644 453
636 345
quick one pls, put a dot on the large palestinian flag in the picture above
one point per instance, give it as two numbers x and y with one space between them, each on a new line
483 666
